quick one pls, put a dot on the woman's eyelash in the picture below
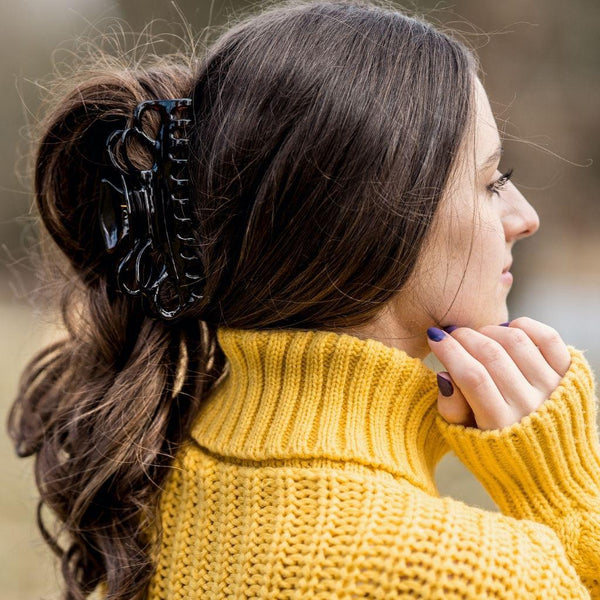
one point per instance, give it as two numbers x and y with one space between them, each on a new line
500 182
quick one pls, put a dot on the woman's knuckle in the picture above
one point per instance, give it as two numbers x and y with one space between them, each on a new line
553 337
492 351
518 337
475 378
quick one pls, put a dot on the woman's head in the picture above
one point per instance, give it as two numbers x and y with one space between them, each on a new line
325 141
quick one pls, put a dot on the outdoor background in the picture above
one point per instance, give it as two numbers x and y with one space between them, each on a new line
540 62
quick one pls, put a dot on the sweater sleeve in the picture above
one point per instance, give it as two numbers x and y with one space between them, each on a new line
546 467
455 551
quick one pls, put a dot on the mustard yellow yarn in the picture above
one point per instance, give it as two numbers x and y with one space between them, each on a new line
309 475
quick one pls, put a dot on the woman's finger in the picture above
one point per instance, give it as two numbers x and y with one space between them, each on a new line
526 355
473 380
548 341
508 378
451 404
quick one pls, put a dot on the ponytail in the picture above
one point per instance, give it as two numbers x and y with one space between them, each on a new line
105 408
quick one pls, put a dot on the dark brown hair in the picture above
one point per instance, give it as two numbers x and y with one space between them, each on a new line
324 136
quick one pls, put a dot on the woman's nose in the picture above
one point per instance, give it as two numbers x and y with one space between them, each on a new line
521 219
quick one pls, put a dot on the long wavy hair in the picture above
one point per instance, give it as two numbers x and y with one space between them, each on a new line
324 135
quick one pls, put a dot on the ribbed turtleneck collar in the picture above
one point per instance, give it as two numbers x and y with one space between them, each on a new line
294 393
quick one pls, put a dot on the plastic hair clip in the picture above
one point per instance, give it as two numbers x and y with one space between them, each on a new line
144 218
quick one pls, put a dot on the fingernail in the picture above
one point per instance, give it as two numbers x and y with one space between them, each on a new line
505 324
450 328
445 385
435 334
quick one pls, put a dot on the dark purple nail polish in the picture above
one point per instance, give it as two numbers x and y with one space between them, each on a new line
435 334
450 328
505 324
445 385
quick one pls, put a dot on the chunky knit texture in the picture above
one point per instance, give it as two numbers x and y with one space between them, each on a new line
309 474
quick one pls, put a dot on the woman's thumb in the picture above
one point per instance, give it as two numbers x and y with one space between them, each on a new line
451 404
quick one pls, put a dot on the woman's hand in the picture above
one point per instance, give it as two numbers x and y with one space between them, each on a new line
499 374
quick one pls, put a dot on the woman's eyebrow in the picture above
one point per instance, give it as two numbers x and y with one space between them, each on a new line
492 158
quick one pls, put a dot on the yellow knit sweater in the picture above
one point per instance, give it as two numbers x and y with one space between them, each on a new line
309 474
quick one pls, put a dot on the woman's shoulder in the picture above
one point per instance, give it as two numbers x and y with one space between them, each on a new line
343 524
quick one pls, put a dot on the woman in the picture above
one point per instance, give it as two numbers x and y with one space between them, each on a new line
242 409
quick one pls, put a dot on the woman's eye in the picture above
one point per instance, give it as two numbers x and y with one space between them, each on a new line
497 185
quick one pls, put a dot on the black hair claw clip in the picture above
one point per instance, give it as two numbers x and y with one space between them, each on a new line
144 218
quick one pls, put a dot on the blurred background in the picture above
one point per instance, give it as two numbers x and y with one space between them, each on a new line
540 69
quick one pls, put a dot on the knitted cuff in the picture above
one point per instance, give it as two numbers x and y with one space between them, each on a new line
547 464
